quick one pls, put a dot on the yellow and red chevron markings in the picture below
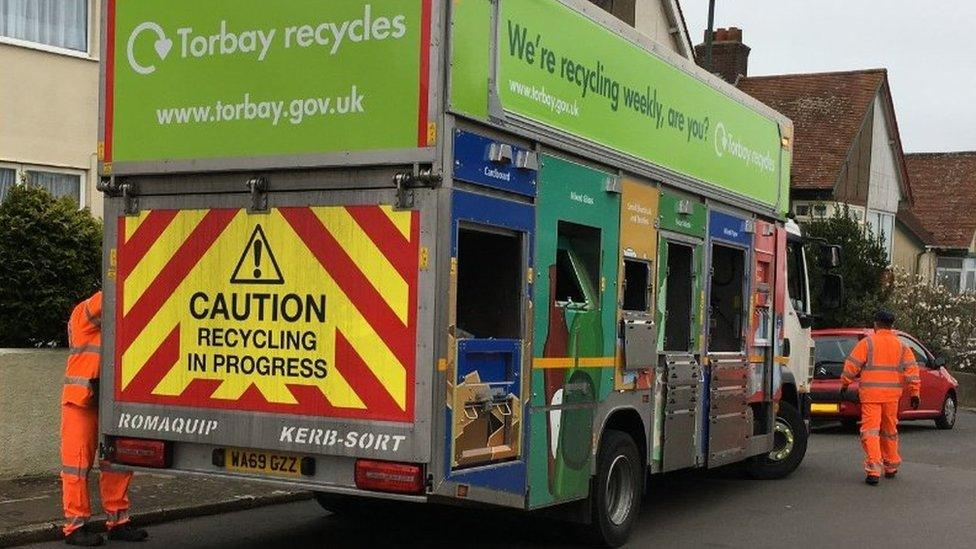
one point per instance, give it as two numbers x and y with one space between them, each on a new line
173 340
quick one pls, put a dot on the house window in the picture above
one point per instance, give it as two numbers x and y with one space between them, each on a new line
59 182
8 178
883 228
820 210
801 210
56 23
949 273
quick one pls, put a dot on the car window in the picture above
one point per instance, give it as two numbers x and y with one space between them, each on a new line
830 353
920 355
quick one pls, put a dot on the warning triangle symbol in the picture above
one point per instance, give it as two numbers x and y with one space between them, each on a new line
257 264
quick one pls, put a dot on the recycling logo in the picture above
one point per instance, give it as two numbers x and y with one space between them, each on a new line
162 45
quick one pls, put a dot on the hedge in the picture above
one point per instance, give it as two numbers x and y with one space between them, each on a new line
50 259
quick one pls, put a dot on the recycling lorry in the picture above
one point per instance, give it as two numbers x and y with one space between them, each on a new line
499 252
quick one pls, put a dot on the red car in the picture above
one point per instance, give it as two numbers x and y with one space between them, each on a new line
832 346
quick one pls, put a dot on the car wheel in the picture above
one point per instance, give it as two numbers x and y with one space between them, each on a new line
947 420
789 446
617 489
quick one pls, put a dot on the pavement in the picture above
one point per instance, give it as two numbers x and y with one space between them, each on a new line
30 508
823 504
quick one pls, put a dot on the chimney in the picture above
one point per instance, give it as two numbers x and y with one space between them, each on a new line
730 57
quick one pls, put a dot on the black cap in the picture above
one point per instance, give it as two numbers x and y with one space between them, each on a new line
884 317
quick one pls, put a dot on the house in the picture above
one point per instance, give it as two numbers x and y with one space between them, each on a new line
847 151
660 20
49 75
945 205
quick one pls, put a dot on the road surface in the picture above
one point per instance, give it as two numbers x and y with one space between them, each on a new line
824 504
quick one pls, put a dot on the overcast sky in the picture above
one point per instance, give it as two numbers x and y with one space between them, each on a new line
928 47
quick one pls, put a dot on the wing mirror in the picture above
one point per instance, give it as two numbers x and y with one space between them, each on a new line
830 256
832 292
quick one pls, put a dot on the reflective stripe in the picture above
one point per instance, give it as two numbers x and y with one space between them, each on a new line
77 521
76 380
117 518
905 365
881 368
110 467
870 344
855 361
912 378
847 375
75 471
95 320
870 432
86 349
889 436
879 385
872 466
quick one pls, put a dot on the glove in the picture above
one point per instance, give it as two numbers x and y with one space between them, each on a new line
916 402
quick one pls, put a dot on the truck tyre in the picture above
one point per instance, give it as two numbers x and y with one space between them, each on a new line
617 489
789 446
947 419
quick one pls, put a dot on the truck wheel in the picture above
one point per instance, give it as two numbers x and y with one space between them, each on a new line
789 446
617 489
947 420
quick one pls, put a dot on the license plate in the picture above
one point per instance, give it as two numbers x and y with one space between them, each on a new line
268 463
824 408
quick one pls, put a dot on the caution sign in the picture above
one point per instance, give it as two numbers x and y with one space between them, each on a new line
308 311
249 269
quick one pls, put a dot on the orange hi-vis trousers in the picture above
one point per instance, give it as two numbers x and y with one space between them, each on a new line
79 439
79 424
879 437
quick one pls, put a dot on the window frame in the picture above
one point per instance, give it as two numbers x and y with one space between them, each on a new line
926 358
87 55
942 270
883 231
20 171
648 289
583 281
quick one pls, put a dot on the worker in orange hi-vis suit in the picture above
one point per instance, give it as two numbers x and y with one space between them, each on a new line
887 368
79 436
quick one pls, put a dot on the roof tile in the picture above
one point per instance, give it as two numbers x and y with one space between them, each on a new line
944 186
827 110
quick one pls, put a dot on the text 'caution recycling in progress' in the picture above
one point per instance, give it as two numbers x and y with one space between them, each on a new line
308 311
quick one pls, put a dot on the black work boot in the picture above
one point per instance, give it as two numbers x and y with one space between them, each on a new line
871 480
83 537
891 474
127 532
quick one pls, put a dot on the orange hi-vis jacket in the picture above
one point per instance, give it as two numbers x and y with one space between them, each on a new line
885 365
85 340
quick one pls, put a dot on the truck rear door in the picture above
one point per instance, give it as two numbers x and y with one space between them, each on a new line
291 329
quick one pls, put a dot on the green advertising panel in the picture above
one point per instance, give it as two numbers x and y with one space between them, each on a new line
249 78
559 68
